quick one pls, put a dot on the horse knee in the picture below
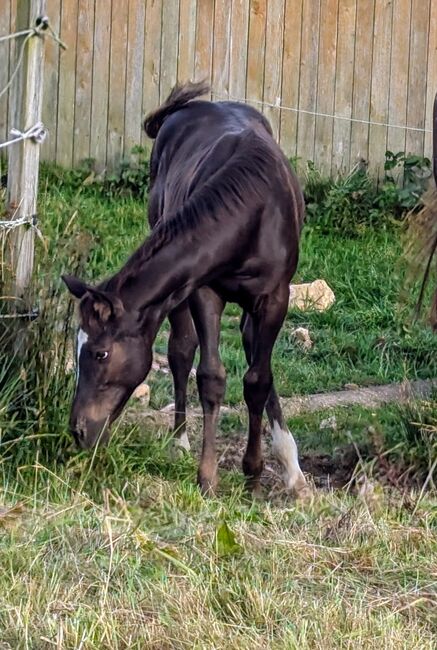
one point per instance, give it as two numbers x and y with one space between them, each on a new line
257 386
211 382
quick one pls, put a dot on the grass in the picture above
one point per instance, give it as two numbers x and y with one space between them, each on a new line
101 553
366 338
117 549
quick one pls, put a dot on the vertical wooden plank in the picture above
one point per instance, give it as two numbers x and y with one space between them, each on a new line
12 54
380 84
100 84
256 52
5 18
204 40
362 79
50 94
291 75
238 49
67 83
84 75
23 159
431 88
400 51
326 85
414 140
220 53
308 79
344 85
117 83
134 75
273 63
187 39
169 47
152 59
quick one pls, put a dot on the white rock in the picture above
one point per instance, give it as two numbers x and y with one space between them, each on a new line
315 295
168 409
302 335
142 392
329 423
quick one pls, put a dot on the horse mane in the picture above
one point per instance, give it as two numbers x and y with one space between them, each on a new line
180 95
244 174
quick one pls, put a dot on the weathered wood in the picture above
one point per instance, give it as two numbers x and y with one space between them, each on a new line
380 86
67 85
169 47
256 52
400 54
187 39
84 76
134 75
326 85
362 79
414 140
5 19
308 78
302 54
431 76
23 159
50 96
344 79
290 75
100 89
117 84
152 59
273 63
204 40
220 54
238 48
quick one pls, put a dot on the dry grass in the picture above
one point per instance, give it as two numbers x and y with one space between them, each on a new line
86 564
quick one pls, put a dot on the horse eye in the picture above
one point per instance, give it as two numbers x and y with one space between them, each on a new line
101 356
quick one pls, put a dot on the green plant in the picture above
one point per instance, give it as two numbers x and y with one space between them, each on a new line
352 203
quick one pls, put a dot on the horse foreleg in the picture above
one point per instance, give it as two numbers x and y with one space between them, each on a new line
181 349
206 308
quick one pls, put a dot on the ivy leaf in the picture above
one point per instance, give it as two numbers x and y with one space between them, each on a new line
225 542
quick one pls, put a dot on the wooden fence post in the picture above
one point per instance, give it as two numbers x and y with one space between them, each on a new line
23 158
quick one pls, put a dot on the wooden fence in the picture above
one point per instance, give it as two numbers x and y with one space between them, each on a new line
371 63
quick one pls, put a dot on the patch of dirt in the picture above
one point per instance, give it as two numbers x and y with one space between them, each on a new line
325 470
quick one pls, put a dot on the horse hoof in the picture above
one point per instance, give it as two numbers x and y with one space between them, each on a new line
207 487
303 492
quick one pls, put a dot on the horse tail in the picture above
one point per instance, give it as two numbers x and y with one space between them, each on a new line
179 96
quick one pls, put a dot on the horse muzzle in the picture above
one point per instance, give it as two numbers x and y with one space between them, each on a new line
89 433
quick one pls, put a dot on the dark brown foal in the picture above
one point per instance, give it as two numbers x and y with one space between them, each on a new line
226 212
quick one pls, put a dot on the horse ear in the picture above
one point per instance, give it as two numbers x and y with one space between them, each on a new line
75 286
105 306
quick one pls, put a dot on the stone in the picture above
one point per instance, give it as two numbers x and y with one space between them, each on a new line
142 392
302 335
309 296
329 423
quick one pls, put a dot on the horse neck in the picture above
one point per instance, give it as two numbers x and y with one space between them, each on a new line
159 277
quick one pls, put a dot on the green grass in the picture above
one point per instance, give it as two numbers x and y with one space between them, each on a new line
367 337
106 552
117 549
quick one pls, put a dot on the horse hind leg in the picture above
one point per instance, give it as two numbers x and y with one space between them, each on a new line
284 447
181 349
258 341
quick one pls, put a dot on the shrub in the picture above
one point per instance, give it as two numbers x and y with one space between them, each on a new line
351 203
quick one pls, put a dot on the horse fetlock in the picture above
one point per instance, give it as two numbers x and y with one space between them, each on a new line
207 479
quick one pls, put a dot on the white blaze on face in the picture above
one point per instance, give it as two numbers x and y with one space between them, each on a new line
285 449
82 338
